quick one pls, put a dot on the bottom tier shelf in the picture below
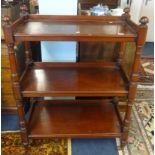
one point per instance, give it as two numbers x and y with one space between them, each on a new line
92 119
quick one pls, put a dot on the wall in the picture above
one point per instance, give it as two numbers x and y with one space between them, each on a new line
148 10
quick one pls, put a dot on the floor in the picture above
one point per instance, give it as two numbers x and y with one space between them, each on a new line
148 49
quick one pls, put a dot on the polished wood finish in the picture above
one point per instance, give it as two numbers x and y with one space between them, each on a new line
134 75
75 79
28 54
15 79
74 119
97 52
74 28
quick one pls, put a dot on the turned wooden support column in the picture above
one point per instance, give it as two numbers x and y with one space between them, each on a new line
121 48
115 102
121 51
15 77
28 54
126 14
142 30
23 10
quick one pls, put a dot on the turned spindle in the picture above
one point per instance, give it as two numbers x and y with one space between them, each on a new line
5 20
126 12
143 21
23 10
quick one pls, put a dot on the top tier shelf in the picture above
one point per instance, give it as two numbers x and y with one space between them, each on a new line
73 28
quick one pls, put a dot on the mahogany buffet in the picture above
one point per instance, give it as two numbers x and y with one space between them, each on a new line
81 118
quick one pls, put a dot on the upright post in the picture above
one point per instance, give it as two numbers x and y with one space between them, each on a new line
141 32
28 54
8 33
125 16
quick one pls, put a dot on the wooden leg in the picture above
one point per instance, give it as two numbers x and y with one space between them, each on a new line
22 122
126 123
28 53
115 102
123 143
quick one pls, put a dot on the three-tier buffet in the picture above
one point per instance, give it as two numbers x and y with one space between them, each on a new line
90 117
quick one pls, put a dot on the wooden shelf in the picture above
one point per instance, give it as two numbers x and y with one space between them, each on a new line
91 119
73 28
72 79
74 119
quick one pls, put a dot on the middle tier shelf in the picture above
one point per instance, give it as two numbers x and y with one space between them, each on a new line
72 79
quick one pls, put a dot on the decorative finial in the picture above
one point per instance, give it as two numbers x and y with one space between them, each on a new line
143 20
126 12
23 10
6 20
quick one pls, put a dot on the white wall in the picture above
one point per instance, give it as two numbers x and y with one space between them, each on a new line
57 7
148 10
58 51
